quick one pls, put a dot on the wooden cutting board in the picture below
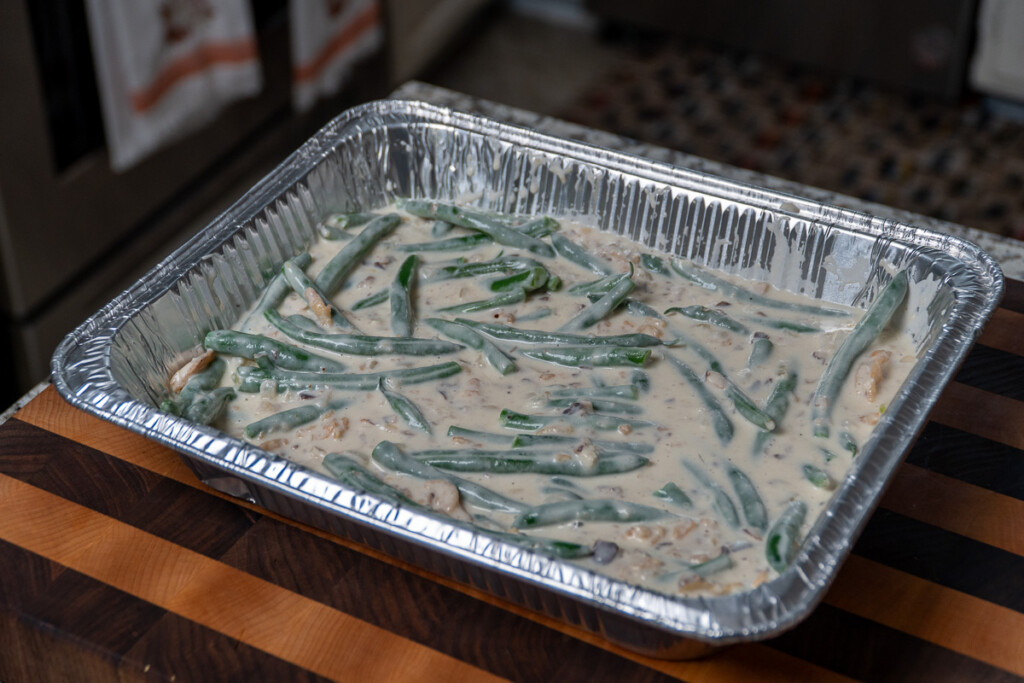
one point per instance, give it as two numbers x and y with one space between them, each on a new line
118 564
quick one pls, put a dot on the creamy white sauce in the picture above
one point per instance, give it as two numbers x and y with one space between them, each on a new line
656 554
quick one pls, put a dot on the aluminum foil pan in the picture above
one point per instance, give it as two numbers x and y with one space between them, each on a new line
116 364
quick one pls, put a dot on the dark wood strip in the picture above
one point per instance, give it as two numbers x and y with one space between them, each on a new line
869 651
1004 331
751 662
981 412
999 372
312 566
944 558
956 506
424 611
951 619
1013 298
164 507
260 614
80 629
971 458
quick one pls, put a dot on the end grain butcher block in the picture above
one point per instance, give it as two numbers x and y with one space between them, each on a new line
118 564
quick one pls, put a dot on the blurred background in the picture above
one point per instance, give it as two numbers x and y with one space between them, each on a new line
128 126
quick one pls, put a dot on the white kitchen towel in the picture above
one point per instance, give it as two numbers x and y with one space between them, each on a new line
998 64
328 37
167 67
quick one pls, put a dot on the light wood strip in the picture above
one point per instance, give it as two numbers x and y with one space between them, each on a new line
265 616
951 619
957 506
749 662
1004 331
981 412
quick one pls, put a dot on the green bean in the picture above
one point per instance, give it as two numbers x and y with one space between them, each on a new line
529 280
207 406
351 473
818 477
721 501
721 423
477 221
475 435
776 406
332 234
863 333
282 355
655 264
627 391
640 381
529 440
389 456
344 221
705 279
201 382
525 336
497 358
712 316
303 322
501 264
541 227
531 423
786 325
600 309
554 283
718 563
601 286
760 348
332 276
404 408
559 493
590 356
249 379
275 291
531 462
586 511
440 228
848 443
542 312
783 538
571 251
600 405
744 405
286 420
750 501
562 549
636 308
513 296
401 305
673 494
374 299
460 243
361 344
300 282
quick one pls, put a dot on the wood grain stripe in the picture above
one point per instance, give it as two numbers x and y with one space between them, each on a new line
255 612
983 413
1004 331
909 604
959 507
753 662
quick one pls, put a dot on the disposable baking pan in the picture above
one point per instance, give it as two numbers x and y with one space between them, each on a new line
116 364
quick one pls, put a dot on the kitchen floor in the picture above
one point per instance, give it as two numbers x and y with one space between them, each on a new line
958 162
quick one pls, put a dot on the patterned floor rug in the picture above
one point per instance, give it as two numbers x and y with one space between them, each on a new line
956 162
